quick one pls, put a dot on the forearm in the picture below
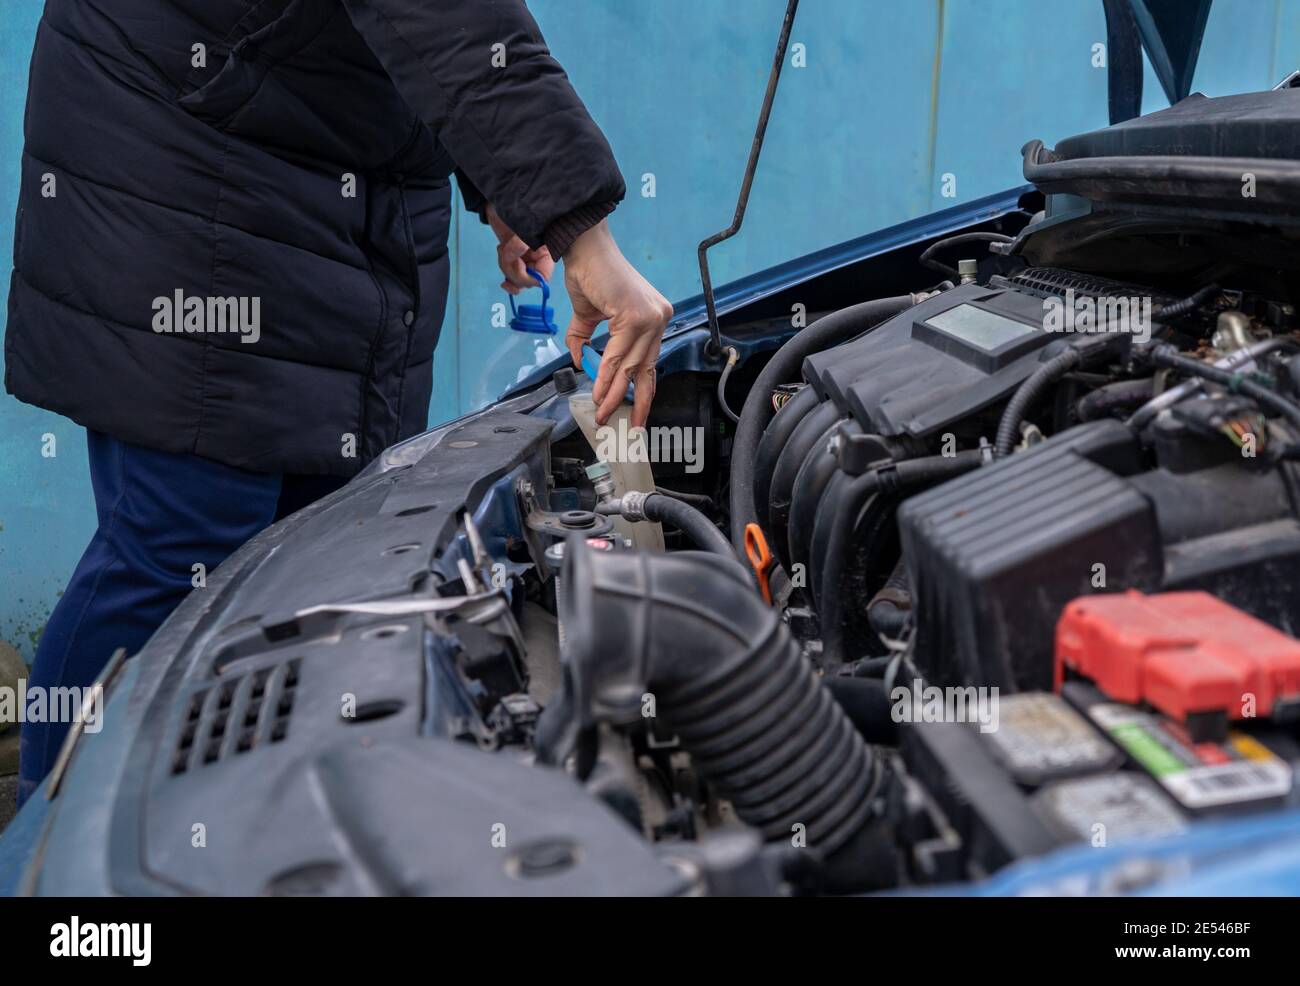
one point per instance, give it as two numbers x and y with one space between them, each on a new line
480 73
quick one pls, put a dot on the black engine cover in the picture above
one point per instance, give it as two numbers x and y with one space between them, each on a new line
995 555
936 363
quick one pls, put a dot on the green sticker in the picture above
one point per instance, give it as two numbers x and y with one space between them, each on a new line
1146 749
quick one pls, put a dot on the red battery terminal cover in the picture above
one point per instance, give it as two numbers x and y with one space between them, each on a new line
1183 653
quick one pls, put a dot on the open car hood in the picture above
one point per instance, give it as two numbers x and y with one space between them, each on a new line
1170 31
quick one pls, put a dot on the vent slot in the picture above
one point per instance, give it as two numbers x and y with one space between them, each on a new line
1056 281
236 715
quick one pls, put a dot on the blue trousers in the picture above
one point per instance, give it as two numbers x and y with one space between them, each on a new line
160 514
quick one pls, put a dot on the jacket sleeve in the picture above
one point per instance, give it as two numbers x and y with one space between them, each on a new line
479 74
475 201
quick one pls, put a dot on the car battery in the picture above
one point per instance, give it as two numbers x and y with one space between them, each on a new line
1188 655
1060 769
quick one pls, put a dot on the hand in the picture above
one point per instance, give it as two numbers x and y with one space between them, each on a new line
514 255
603 285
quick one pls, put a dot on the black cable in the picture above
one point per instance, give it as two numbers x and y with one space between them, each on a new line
1236 383
722 384
1028 393
927 256
1177 309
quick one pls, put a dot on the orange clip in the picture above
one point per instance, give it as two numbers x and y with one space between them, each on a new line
760 558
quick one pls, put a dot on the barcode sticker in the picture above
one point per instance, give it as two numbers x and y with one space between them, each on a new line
1228 783
1204 775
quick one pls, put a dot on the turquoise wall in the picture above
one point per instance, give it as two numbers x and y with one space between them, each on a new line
893 96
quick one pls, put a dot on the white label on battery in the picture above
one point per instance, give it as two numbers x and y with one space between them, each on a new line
1245 771
1228 783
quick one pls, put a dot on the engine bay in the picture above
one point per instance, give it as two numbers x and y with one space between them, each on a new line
1035 530
957 564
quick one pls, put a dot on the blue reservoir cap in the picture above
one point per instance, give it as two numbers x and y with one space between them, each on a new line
535 319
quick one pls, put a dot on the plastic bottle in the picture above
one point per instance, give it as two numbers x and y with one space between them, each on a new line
531 344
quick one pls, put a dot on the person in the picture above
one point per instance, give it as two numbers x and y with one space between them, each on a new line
230 263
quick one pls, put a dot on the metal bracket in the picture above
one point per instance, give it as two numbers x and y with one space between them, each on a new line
561 524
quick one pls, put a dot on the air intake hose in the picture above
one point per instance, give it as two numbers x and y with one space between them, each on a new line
726 677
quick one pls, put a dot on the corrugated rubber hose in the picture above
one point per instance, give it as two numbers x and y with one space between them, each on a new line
726 677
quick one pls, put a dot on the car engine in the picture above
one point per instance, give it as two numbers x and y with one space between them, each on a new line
936 492
1062 482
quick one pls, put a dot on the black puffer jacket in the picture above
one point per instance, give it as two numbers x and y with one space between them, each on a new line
231 234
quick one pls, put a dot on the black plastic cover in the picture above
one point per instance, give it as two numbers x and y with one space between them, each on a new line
990 814
917 374
995 555
1249 125
1224 158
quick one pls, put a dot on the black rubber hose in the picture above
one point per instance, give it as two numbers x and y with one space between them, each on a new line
781 368
927 257
697 500
1237 383
1039 382
887 618
891 606
1163 178
1121 396
722 384
728 680
688 520
868 706
900 477
1177 309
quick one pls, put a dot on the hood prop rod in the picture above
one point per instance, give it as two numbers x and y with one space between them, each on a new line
714 347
